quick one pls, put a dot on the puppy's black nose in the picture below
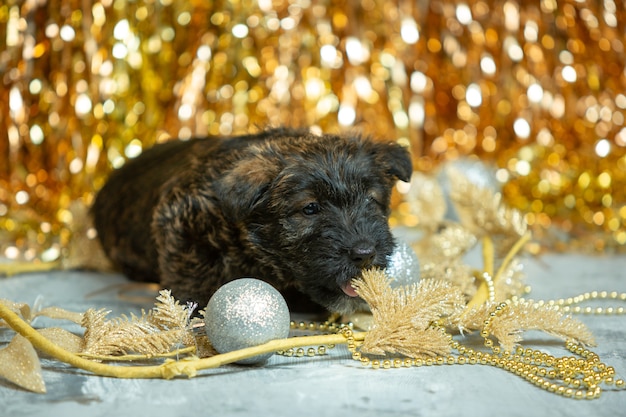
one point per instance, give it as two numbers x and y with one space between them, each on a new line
362 254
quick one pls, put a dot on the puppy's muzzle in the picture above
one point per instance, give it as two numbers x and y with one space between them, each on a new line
362 254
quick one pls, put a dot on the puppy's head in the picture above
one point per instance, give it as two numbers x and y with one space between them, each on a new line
316 208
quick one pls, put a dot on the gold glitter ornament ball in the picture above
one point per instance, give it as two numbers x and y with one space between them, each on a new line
243 313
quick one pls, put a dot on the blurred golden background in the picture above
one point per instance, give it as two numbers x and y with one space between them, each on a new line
536 88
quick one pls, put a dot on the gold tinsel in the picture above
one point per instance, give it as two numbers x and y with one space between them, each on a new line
536 87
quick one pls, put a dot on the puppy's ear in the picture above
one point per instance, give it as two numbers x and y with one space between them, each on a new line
395 159
242 188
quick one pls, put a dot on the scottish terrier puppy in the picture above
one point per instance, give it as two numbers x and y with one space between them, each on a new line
305 213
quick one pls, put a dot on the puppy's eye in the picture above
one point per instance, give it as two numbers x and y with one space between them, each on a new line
311 209
374 198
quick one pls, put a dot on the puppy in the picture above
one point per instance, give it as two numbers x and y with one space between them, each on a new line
302 212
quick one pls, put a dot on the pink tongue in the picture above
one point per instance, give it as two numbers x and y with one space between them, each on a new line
348 289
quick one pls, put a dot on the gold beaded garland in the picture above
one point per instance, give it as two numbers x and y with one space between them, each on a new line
568 305
568 376
579 377
327 327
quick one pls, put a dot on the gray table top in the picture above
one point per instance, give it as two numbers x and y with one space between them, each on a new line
328 385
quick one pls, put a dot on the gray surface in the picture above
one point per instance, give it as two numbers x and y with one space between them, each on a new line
333 385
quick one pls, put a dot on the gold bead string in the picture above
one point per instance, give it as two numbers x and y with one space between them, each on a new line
309 352
568 376
491 288
326 327
570 305
578 377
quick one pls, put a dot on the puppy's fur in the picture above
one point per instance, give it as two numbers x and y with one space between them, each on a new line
302 212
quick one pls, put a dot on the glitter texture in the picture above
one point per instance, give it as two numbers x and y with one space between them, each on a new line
403 268
21 366
244 313
535 87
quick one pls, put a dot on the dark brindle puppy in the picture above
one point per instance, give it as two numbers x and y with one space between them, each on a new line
305 213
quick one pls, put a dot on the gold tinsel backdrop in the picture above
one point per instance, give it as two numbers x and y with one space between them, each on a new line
537 88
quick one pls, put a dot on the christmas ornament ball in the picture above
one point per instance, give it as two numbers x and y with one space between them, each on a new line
243 313
403 266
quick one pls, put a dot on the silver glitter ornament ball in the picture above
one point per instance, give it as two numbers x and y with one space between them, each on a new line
243 313
403 267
